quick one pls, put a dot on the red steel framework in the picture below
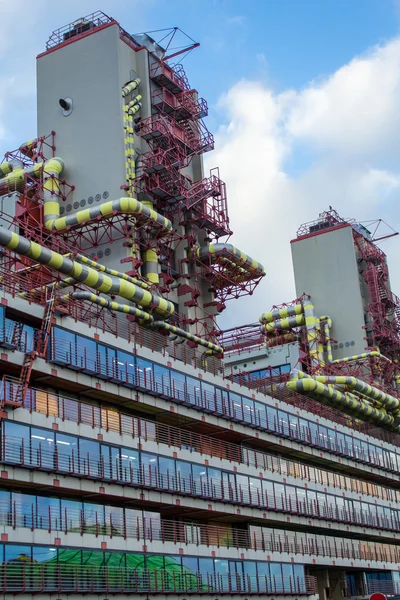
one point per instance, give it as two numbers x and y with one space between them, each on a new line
175 134
383 328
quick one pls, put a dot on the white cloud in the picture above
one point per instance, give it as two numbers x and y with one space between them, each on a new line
288 156
24 31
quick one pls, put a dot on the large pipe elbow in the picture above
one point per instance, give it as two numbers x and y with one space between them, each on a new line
212 252
54 166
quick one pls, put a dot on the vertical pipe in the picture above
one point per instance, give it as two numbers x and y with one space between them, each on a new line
327 321
130 167
312 333
150 267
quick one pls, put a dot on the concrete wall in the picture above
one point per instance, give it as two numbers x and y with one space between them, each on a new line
325 267
287 354
91 138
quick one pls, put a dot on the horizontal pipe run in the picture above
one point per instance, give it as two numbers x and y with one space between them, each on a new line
213 348
346 402
284 324
86 275
103 269
281 313
212 252
64 283
122 206
389 401
111 305
369 354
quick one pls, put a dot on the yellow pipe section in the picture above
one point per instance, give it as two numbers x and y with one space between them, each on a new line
92 263
298 315
327 321
346 402
284 324
281 313
111 305
213 252
212 348
373 393
86 275
150 259
123 206
369 354
130 87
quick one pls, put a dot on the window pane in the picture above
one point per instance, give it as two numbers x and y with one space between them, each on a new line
42 443
16 443
86 354
162 383
144 373
67 452
63 345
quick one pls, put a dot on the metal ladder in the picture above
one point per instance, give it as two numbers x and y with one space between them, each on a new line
40 349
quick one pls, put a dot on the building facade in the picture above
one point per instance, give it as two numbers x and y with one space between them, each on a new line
137 458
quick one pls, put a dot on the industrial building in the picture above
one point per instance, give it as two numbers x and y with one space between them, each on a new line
144 451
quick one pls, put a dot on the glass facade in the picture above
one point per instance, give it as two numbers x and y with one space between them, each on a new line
120 367
70 569
56 404
48 450
89 570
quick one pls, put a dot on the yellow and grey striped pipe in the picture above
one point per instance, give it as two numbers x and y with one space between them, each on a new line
346 402
10 166
92 263
111 305
130 87
284 324
369 354
144 317
86 275
150 266
67 282
281 313
212 252
15 180
327 323
312 334
13 175
130 164
298 315
373 393
28 148
123 206
213 348
129 150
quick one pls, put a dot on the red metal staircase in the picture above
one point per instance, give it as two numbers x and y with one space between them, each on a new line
40 350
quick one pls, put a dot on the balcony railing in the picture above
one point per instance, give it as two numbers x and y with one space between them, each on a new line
89 520
180 106
65 354
110 419
168 77
19 452
54 577
387 587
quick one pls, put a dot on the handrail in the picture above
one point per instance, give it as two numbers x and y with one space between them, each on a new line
68 409
69 578
88 520
17 451
95 364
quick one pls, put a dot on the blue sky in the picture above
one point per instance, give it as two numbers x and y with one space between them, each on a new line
304 100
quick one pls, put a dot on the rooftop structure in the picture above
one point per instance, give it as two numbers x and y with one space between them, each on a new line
143 451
